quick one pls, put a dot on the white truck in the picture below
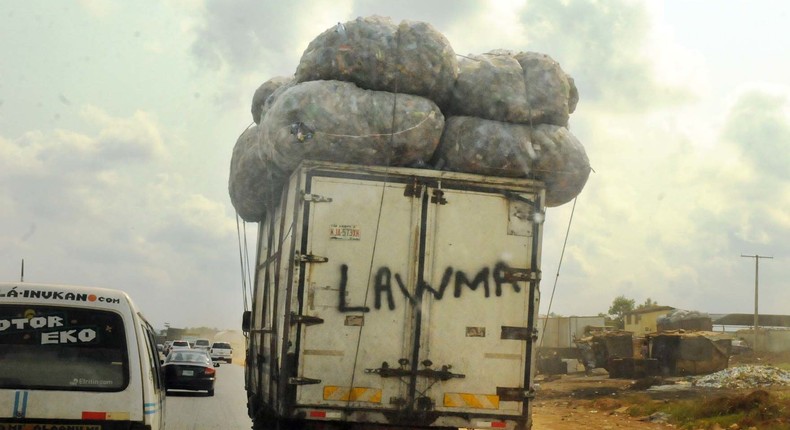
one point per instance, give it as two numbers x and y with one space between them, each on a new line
392 297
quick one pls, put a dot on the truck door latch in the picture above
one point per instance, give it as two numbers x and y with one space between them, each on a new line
301 380
442 374
310 258
315 198
305 319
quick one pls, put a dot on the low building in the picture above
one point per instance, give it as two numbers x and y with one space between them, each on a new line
645 320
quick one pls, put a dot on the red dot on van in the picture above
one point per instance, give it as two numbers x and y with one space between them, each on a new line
92 298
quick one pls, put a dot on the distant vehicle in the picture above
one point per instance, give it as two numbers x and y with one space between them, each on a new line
202 344
167 345
180 344
73 357
160 347
221 351
189 369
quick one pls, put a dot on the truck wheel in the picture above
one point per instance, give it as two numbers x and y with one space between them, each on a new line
211 392
230 360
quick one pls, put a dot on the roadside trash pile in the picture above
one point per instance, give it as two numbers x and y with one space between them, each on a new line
745 377
373 92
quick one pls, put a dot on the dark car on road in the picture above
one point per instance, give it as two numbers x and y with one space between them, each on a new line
187 369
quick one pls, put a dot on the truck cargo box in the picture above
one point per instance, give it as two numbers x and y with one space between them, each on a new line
395 297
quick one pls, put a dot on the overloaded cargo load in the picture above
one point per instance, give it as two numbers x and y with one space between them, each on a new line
521 88
374 53
329 121
263 92
550 152
526 99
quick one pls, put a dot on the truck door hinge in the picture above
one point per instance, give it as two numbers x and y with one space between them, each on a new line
518 333
310 258
514 394
412 189
305 319
301 380
438 197
315 198
512 274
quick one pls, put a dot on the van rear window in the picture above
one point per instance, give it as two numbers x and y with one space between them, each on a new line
62 348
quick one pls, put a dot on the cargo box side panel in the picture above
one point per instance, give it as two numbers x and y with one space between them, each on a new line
360 312
481 252
278 334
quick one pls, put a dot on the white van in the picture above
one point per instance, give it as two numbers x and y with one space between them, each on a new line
77 358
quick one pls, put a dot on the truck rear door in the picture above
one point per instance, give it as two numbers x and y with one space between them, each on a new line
355 316
481 254
417 295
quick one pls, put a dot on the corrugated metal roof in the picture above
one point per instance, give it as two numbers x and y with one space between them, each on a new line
748 320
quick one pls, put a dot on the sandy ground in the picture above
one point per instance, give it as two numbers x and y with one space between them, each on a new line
585 402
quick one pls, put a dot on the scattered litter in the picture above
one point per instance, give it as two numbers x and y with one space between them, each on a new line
658 417
745 377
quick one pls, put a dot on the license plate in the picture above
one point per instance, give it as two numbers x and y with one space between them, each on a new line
187 373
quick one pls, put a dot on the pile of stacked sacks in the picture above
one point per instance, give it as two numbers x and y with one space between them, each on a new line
373 92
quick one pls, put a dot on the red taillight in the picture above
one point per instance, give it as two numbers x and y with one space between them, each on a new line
210 371
317 414
95 416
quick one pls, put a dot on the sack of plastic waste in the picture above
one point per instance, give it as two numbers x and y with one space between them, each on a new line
376 54
337 121
524 88
546 152
262 94
254 178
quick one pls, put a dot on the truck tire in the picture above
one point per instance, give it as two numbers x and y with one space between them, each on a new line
230 360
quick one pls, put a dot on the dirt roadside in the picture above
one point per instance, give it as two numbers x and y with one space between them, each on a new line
577 401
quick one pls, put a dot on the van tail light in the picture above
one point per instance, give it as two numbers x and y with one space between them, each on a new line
210 371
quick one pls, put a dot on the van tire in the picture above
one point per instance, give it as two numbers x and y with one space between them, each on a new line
230 360
211 392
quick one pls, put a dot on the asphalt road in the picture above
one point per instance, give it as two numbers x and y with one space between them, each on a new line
186 410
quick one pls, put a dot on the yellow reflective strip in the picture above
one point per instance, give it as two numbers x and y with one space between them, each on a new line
469 400
118 416
329 392
450 400
357 394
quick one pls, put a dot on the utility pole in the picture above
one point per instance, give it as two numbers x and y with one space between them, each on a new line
756 283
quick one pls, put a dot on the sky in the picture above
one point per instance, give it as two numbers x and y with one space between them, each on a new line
118 120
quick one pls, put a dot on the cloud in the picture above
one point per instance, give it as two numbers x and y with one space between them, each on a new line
97 8
103 208
603 46
759 125
269 37
255 36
